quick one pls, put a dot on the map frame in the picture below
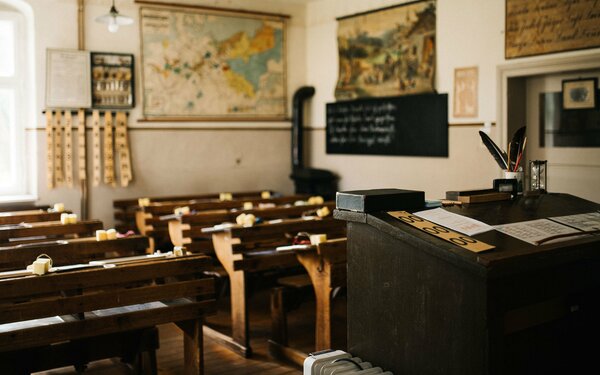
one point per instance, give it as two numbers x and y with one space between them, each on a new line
281 115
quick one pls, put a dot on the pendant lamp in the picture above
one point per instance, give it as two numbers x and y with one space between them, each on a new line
113 19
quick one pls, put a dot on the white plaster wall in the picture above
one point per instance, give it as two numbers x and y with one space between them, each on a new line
194 157
469 33
184 162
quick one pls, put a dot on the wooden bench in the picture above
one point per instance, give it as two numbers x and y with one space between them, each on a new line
186 230
20 233
22 207
71 251
136 348
251 249
78 305
326 267
28 216
125 209
149 223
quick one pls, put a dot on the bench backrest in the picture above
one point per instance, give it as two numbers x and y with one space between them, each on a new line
187 230
48 229
77 250
28 216
148 221
125 208
163 208
269 235
204 219
22 207
133 202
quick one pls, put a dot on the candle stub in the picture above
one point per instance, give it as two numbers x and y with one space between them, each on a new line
41 266
225 197
178 251
316 200
111 234
72 218
59 207
246 220
143 202
316 239
185 210
64 218
323 212
265 194
248 205
101 235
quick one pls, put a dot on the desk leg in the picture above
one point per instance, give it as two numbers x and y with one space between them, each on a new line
323 323
320 275
239 309
193 351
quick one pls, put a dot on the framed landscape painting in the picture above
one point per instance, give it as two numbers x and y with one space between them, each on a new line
387 52
201 65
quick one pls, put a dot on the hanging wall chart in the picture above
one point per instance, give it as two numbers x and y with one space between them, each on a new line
219 65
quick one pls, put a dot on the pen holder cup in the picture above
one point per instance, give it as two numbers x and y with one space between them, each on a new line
519 176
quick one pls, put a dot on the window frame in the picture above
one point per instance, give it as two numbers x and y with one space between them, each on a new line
23 187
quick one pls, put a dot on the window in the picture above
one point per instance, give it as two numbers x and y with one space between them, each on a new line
15 107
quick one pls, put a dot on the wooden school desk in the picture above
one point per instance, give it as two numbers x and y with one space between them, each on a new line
79 305
250 249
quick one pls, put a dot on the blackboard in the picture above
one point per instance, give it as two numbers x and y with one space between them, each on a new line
412 125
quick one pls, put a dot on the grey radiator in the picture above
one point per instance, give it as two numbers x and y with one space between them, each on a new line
338 362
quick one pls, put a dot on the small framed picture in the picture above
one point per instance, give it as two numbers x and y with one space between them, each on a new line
68 79
113 84
465 92
579 93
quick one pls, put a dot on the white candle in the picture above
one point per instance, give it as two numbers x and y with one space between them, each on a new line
111 234
101 235
316 239
41 266
178 251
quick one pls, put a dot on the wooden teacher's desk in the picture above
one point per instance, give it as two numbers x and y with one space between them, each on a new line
418 304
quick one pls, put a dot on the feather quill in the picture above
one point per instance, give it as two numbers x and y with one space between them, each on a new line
498 154
516 144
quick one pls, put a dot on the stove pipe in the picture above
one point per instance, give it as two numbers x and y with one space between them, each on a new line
307 180
303 93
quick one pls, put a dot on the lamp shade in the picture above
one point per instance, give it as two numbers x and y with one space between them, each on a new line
113 19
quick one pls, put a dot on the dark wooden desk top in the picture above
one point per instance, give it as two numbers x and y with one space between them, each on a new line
510 255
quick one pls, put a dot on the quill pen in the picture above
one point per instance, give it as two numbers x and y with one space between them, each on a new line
498 154
516 145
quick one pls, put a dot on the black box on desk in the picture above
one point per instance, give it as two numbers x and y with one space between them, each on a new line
379 200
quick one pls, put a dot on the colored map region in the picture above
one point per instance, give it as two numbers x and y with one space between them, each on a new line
206 65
